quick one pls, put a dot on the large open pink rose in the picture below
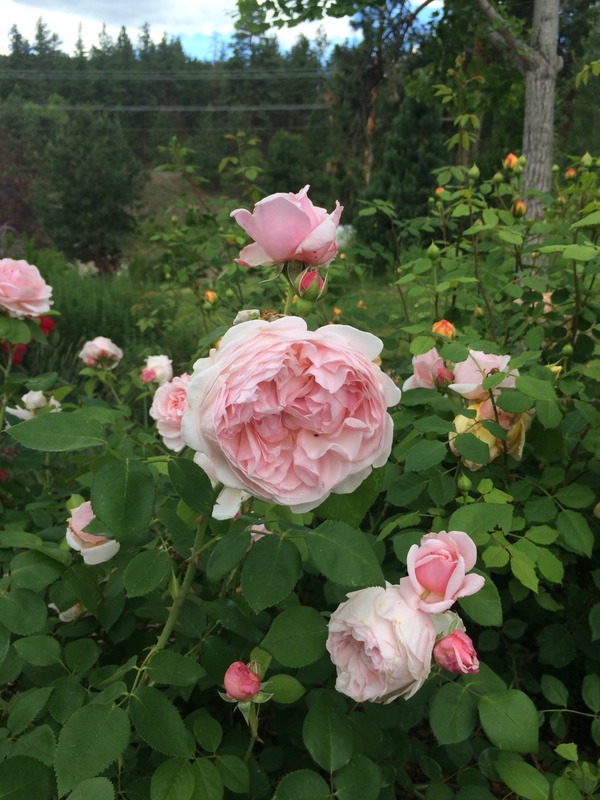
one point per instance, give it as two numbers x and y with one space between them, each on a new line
381 643
288 227
470 374
23 291
289 415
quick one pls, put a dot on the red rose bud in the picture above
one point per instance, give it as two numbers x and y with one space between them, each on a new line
444 377
571 174
519 208
510 162
47 325
310 285
456 653
440 190
444 328
240 682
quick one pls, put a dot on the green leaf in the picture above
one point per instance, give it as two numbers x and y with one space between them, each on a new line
472 448
484 607
327 734
550 566
575 495
209 785
555 690
296 637
24 778
564 789
58 432
574 533
174 669
548 413
91 739
234 773
24 708
351 508
590 220
453 714
123 497
41 651
93 789
524 779
159 723
536 388
39 743
145 572
590 691
23 612
192 484
568 751
13 330
302 785
344 555
174 779
284 688
523 569
580 252
208 731
227 554
514 402
270 571
425 454
510 721
421 344
360 779
477 518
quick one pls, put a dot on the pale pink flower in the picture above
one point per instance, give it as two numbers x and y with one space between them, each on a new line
158 369
290 415
258 531
381 643
101 352
457 654
241 683
470 374
429 372
438 567
168 407
23 291
94 549
288 227
32 403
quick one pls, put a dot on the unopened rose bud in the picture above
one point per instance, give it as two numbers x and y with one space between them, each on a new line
596 511
147 375
567 350
497 178
522 160
310 285
433 252
439 191
518 169
519 208
561 199
444 328
586 160
510 162
241 683
555 168
444 377
464 484
474 173
456 653
478 311
210 296
571 174
229 293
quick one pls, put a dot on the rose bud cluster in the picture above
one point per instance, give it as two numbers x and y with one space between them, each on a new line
101 353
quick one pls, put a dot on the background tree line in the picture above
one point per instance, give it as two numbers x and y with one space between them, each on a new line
357 121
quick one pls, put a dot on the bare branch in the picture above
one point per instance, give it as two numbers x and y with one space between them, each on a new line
521 54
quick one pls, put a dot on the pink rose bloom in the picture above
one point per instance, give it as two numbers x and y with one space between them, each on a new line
158 369
437 569
101 352
168 407
469 374
23 291
456 653
429 371
381 643
94 549
287 227
240 682
289 415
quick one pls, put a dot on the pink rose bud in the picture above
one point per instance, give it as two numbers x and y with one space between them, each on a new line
444 377
240 682
147 375
311 285
456 653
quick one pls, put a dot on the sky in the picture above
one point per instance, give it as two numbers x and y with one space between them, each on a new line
199 24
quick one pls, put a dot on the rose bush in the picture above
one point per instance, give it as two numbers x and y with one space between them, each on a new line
101 352
289 415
